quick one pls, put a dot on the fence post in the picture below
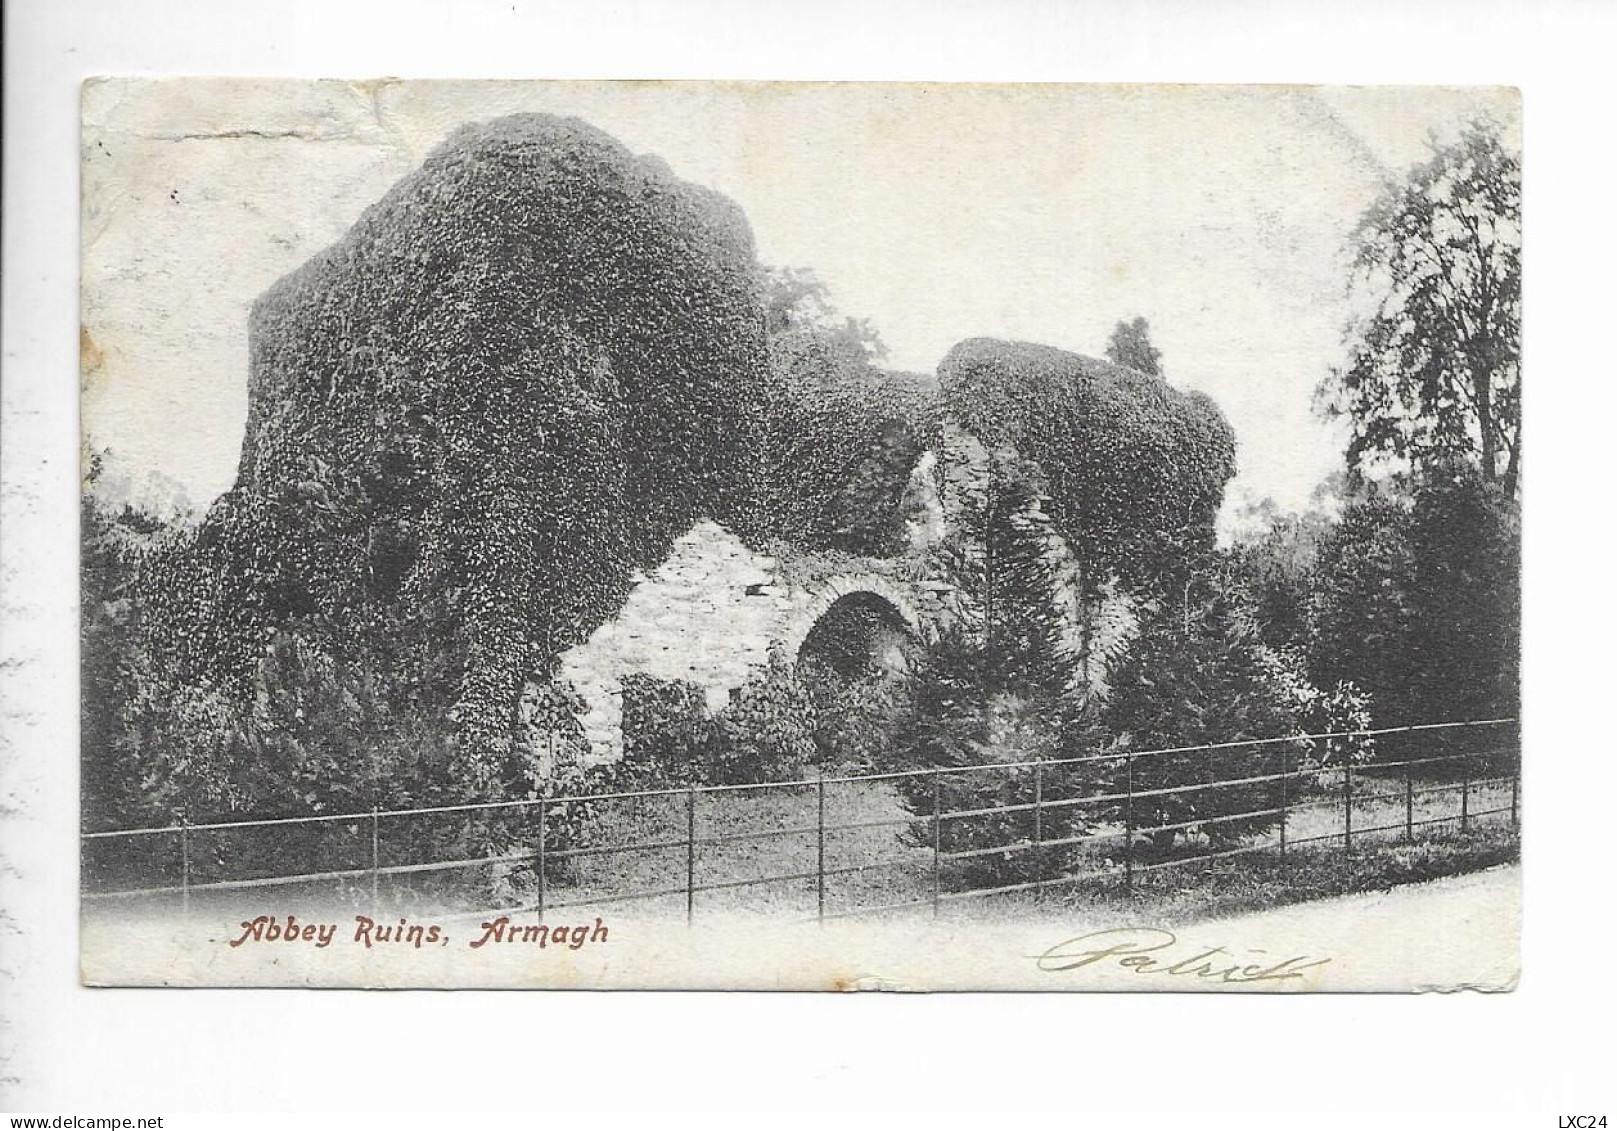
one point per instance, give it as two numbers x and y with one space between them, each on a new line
1347 805
1038 830
690 855
185 868
1285 799
937 843
376 861
1409 803
543 863
819 853
1465 791
1128 831
1515 789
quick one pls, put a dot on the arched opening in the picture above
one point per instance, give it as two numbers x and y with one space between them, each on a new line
853 663
859 635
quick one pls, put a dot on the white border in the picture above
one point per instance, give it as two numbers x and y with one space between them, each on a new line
1541 1049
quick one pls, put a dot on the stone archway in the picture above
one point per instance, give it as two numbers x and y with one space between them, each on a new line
841 587
859 633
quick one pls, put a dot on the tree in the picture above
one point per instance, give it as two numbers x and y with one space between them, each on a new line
988 777
1359 604
1464 599
1018 586
1434 370
1207 679
796 300
1130 345
1274 557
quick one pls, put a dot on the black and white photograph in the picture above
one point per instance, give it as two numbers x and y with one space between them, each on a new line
766 535
691 558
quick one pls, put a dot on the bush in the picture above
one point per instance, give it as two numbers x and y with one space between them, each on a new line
769 731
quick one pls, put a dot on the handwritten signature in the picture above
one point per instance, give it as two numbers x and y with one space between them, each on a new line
1153 950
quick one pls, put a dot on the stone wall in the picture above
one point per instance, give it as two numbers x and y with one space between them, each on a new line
716 611
707 616
711 615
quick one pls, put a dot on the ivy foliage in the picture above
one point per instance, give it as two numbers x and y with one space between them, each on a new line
1135 468
515 380
842 438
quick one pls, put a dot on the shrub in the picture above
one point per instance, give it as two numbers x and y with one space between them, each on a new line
952 721
765 733
1198 677
666 728
856 715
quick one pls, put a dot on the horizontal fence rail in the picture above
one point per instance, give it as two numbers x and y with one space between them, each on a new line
1283 795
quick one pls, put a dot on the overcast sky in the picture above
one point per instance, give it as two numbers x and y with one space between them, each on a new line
938 212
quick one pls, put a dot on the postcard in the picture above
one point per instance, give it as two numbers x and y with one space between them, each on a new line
800 536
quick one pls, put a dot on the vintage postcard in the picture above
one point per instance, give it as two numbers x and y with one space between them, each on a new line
800 536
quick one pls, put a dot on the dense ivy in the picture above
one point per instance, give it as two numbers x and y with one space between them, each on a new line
518 377
842 439
1135 468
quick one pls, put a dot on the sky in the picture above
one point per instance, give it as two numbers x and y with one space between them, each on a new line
939 212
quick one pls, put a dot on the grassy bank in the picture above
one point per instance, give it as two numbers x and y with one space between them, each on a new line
1217 889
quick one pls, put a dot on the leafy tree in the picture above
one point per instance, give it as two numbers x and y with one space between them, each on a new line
1464 599
796 301
1130 346
1359 608
1434 371
1415 597
1274 559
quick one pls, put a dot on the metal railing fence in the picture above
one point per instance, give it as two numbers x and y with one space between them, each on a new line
1300 777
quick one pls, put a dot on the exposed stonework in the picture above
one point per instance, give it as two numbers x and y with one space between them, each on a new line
1096 635
813 606
716 611
711 615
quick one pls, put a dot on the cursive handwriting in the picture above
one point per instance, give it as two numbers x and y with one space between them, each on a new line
1152 950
